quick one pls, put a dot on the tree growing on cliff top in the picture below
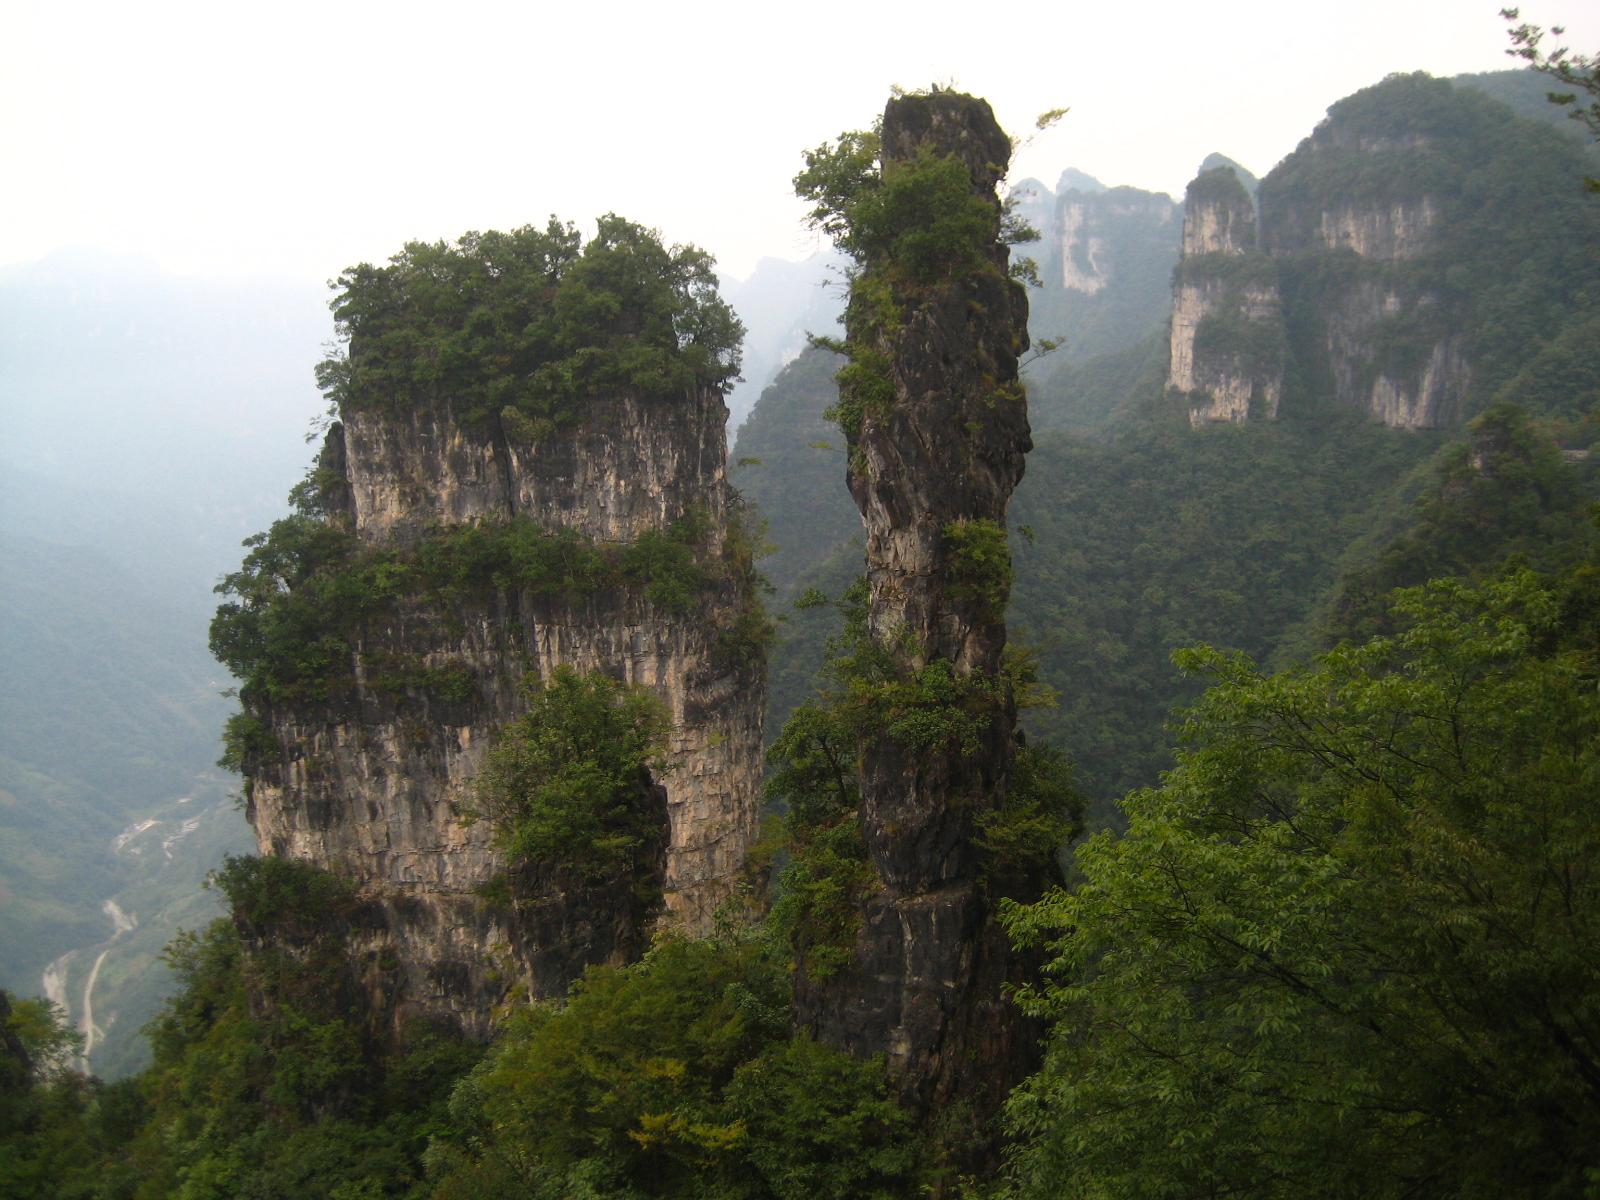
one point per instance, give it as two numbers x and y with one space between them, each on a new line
527 325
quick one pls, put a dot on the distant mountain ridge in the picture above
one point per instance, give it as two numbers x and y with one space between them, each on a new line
1404 262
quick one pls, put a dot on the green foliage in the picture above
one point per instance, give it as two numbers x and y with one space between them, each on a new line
980 564
674 1077
750 638
1504 493
46 1039
306 587
1343 950
866 383
912 225
530 325
1167 535
1562 381
813 780
268 1081
1041 814
570 778
1509 256
932 706
272 891
244 739
1238 271
57 1128
1578 75
297 596
819 1123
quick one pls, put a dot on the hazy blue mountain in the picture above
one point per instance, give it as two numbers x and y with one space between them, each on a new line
780 303
1105 265
129 395
1073 179
1214 160
152 422
1035 203
797 486
111 811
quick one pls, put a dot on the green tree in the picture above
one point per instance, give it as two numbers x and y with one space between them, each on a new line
1579 72
1504 491
570 778
1346 948
674 1077
527 326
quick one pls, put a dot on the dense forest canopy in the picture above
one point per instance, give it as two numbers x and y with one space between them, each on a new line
530 323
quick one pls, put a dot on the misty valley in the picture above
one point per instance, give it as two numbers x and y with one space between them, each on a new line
1067 691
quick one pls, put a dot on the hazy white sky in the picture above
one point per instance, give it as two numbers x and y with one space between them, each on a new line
299 137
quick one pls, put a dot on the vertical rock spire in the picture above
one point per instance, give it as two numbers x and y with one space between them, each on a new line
1227 328
935 454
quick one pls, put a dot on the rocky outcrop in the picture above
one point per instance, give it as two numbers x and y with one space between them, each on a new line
1380 229
1227 328
1097 232
1417 395
1105 259
925 987
373 783
1354 223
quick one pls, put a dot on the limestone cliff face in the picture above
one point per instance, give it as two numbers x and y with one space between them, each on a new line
1227 328
1093 230
1350 217
372 783
925 987
1418 239
1420 396
631 465
1380 229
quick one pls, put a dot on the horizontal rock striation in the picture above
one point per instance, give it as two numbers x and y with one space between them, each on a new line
632 464
374 781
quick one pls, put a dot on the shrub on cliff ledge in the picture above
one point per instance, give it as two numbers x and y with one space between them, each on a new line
531 324
570 779
305 587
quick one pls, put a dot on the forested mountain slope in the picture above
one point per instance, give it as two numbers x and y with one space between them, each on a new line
112 811
1149 536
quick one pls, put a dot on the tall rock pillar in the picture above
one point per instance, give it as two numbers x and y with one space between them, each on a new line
1227 326
932 467
560 522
